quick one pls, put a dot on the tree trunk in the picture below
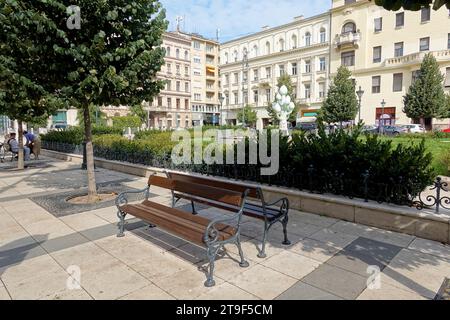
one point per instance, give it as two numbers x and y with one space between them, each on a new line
20 161
92 186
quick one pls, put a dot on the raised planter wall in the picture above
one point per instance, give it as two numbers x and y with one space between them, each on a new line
424 224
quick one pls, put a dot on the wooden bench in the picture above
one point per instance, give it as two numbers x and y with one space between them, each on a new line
198 230
270 213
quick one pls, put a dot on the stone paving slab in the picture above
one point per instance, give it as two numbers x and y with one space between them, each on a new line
304 291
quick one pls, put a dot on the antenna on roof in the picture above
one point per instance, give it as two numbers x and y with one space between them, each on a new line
178 20
217 34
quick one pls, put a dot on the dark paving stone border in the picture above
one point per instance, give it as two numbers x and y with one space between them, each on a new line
57 205
444 291
38 164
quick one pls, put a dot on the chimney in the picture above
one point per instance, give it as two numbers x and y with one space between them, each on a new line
298 18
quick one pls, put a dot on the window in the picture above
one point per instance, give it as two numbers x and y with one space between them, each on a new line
307 66
245 97
307 91
294 68
186 70
245 76
168 52
196 45
236 56
197 96
281 43
255 50
322 64
267 47
169 68
447 78
160 103
399 19
323 35
186 86
425 14
307 39
348 58
255 96
294 41
378 24
425 44
227 99
376 84
227 79
236 98
268 72
178 53
255 75
197 60
178 86
281 68
268 95
226 57
415 76
169 102
168 85
321 90
398 49
178 103
236 78
186 104
377 54
186 55
349 27
178 69
398 82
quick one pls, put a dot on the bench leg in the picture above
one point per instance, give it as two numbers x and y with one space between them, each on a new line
284 222
193 208
262 253
211 254
121 224
243 263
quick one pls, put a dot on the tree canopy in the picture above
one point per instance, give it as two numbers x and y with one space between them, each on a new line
412 5
250 116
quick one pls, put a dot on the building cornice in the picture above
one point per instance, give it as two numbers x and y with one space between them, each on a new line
352 5
277 28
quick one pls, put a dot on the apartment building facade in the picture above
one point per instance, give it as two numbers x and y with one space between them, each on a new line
205 106
172 108
251 65
384 50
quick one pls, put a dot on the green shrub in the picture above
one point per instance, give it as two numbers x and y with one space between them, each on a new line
99 130
127 121
73 135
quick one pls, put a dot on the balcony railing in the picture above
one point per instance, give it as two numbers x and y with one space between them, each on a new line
416 58
347 40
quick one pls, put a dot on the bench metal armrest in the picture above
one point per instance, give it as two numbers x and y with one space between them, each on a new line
282 204
212 234
122 198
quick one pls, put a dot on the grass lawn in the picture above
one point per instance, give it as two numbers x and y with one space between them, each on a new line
439 148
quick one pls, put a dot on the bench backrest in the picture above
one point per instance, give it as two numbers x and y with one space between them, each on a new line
226 196
253 192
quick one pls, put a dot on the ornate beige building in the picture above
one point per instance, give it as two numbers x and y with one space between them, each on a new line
172 108
251 65
384 50
205 80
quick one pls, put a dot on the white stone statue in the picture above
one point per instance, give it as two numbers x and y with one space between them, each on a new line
283 106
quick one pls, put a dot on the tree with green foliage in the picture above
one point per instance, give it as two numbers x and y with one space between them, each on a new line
341 103
412 5
127 121
93 54
97 116
284 80
139 111
250 116
426 95
26 92
444 110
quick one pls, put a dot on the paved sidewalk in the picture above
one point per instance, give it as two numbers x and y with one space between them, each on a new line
328 258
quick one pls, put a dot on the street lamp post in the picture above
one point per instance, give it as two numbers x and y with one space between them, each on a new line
360 93
221 98
383 104
244 67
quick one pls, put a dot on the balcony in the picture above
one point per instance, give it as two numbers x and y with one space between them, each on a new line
416 58
349 40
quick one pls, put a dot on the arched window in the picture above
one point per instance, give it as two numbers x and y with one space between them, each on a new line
281 44
244 52
178 53
168 52
294 41
349 27
255 50
267 47
186 55
236 56
307 39
226 57
323 35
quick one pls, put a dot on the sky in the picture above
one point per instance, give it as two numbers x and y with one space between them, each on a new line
236 18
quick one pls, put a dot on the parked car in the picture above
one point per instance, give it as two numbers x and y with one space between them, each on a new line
446 130
415 128
395 130
306 126
372 129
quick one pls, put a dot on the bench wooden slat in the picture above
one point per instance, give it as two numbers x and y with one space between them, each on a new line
181 223
252 191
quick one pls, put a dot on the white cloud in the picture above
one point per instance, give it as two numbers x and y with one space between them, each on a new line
237 18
